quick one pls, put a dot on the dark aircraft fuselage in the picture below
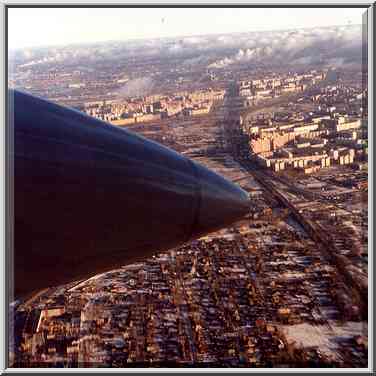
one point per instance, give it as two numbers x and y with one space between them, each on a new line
88 196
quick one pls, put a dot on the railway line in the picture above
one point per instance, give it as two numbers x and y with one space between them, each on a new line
269 182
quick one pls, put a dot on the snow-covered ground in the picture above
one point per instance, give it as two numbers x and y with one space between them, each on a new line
326 337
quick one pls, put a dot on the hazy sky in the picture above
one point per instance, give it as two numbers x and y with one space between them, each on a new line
52 26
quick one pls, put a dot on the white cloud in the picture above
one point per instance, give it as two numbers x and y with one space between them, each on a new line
301 46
